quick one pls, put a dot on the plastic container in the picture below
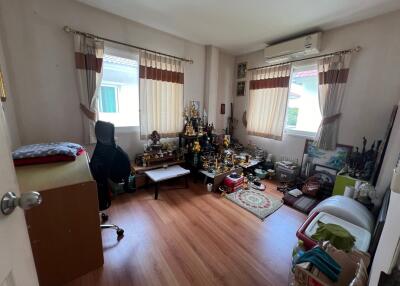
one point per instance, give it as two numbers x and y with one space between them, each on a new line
363 237
260 173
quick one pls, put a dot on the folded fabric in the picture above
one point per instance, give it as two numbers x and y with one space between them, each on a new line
295 193
338 236
47 149
323 262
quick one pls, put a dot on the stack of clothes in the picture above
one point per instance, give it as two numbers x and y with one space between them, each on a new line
46 153
286 171
323 262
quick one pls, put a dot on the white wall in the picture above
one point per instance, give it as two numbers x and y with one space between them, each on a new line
373 86
225 89
8 106
391 158
41 62
211 82
219 79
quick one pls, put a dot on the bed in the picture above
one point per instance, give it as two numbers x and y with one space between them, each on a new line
65 228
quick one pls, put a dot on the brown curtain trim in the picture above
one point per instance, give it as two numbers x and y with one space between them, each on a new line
159 74
89 114
333 76
270 83
88 62
330 119
260 134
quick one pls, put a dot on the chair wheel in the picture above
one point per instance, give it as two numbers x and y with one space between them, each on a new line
104 216
120 232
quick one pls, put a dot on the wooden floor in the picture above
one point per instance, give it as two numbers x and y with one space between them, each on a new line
192 237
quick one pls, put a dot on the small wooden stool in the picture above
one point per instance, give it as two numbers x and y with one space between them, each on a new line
164 174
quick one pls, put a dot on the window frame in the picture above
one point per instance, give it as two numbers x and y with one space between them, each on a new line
117 51
117 91
293 132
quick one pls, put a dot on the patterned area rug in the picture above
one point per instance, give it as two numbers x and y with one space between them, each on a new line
258 203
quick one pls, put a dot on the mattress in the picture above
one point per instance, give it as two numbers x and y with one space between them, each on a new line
54 175
348 210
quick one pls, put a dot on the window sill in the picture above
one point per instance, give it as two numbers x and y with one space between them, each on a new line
126 129
299 133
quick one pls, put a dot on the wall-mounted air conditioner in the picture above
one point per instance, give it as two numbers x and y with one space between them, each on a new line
293 49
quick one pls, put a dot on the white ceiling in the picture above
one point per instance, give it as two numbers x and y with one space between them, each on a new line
240 26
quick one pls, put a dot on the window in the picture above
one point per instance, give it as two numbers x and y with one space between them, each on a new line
119 91
303 115
108 99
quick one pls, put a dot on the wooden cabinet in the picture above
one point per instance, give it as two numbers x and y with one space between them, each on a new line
65 233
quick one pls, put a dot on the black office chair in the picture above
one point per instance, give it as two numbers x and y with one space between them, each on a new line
109 161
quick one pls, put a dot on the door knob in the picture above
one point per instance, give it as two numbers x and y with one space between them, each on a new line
27 200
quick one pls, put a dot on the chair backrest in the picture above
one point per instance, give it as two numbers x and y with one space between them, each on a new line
108 161
105 133
102 160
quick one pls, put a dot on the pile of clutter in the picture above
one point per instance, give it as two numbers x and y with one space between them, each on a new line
235 182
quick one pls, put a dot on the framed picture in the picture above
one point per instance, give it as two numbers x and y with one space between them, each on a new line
222 108
326 175
332 159
241 70
320 168
240 88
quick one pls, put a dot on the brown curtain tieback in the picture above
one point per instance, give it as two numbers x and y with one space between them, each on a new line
330 119
89 114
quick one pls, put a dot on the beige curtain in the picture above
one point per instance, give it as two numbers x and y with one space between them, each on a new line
88 61
161 95
333 72
268 97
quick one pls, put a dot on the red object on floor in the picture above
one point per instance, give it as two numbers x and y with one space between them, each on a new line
308 241
233 184
232 190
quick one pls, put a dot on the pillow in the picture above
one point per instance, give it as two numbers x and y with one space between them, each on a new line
47 149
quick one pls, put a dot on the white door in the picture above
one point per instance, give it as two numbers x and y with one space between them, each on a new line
17 267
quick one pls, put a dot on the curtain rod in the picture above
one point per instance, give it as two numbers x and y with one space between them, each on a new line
356 49
70 30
